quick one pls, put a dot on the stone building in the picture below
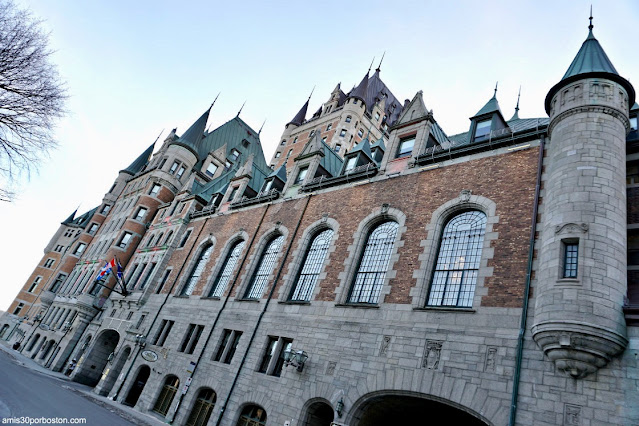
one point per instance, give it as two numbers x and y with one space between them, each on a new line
366 278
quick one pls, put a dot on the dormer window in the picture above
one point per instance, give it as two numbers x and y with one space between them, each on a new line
233 193
405 146
482 129
350 164
267 185
633 123
227 165
211 169
329 127
310 135
234 154
301 176
377 116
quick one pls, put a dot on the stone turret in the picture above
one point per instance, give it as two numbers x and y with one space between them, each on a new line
582 271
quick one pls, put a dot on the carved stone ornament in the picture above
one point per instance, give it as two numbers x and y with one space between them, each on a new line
324 217
464 195
278 224
571 228
572 415
385 344
330 368
432 354
491 358
385 207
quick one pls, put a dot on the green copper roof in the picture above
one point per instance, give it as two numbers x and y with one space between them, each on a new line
139 163
216 186
635 107
330 161
365 147
69 219
590 58
379 143
280 173
258 176
193 135
491 106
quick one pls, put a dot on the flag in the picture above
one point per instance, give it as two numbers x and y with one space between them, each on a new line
120 273
106 270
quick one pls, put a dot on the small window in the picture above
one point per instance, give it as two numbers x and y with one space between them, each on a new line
267 185
79 249
354 101
348 118
278 154
377 116
18 309
482 129
329 127
227 165
191 338
234 154
58 248
295 140
633 123
174 167
268 354
180 172
337 148
273 358
141 213
342 133
163 282
233 193
324 139
185 238
35 284
163 332
49 263
283 142
162 163
57 283
105 209
405 146
571 255
289 153
125 240
360 132
301 176
211 169
310 135
155 189
93 228
350 164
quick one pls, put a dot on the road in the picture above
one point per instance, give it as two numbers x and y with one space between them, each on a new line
24 392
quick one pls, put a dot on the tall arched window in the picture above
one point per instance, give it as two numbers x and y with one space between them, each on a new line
458 260
223 278
373 264
165 398
252 415
197 271
202 408
168 238
311 266
264 268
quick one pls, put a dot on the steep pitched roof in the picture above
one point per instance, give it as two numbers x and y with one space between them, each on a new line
280 173
193 135
364 147
377 90
361 90
138 164
491 106
414 110
69 219
216 186
300 117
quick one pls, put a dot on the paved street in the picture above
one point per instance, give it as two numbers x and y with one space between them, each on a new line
24 392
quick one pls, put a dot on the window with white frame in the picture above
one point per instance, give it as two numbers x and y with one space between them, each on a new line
155 189
140 214
35 284
211 169
126 237
79 249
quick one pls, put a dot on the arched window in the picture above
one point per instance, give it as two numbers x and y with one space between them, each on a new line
150 242
226 271
165 398
168 238
252 415
202 408
264 268
197 270
159 240
311 266
373 264
458 259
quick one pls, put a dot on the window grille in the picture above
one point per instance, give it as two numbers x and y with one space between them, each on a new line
458 260
264 269
224 276
373 264
312 266
197 271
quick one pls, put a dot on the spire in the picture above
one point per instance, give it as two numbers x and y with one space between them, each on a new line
495 94
138 164
193 134
591 61
300 117
516 115
241 108
261 127
379 67
70 218
359 92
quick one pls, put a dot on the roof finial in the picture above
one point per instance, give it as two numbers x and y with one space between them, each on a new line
218 95
156 139
371 65
241 108
495 89
518 95
309 96
260 131
378 69
590 26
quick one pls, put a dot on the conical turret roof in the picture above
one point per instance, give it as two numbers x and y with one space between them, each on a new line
139 163
359 92
193 134
591 61
69 219
300 117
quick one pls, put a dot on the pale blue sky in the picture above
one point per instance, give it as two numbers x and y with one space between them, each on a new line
135 68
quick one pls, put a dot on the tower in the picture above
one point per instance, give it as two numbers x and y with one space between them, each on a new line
582 266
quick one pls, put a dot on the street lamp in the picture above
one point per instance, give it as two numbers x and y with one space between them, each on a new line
140 340
295 358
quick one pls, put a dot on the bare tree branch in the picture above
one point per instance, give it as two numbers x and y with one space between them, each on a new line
32 95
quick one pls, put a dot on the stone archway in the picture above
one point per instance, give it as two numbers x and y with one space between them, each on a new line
318 413
137 386
115 371
404 408
90 371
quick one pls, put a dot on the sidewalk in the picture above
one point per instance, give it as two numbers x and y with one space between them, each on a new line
128 413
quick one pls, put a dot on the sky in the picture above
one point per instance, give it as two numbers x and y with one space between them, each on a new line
134 70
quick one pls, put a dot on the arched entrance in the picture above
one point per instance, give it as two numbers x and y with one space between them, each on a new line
164 400
3 330
115 371
90 371
395 408
47 349
32 342
138 386
318 413
202 408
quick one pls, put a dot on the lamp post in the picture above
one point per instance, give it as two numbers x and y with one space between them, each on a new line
295 358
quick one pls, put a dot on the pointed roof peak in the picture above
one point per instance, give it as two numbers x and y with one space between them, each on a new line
379 66
359 92
143 159
300 117
193 134
491 106
71 217
241 108
590 26
516 114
